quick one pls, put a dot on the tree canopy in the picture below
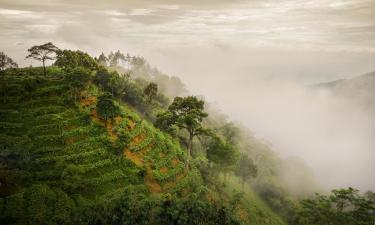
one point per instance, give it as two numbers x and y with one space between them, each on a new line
42 53
151 91
77 79
342 207
102 60
184 113
106 107
73 59
6 62
246 168
115 58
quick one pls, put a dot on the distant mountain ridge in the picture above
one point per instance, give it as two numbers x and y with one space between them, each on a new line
360 89
358 79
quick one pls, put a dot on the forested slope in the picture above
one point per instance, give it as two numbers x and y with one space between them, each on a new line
81 143
61 163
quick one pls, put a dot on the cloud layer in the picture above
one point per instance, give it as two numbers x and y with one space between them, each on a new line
330 25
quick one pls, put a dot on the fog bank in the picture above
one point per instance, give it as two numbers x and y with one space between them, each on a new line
273 98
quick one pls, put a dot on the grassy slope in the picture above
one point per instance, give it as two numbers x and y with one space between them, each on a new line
47 139
253 209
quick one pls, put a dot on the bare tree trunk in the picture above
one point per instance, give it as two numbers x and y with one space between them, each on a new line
44 67
190 144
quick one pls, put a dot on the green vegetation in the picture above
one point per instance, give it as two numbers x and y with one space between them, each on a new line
77 79
73 59
43 53
6 62
246 169
342 207
106 108
184 113
63 163
78 145
151 91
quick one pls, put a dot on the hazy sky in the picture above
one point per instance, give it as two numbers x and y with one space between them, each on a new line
259 52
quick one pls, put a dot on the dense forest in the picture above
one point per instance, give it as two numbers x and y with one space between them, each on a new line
112 140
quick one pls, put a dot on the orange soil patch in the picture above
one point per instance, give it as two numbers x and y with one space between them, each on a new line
153 186
242 213
94 116
118 119
175 162
138 139
163 170
134 157
131 125
112 134
137 159
88 101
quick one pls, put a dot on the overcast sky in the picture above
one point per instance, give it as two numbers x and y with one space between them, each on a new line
260 52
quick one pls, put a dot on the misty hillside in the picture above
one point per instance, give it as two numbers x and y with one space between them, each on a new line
360 89
82 143
187 112
66 161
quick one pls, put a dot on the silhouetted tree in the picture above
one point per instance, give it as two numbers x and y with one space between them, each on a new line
102 60
115 58
6 62
151 90
42 53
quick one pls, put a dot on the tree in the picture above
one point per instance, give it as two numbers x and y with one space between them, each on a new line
42 53
102 78
151 91
184 113
246 169
231 132
222 154
115 83
77 78
115 58
71 59
6 62
342 207
106 108
102 60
